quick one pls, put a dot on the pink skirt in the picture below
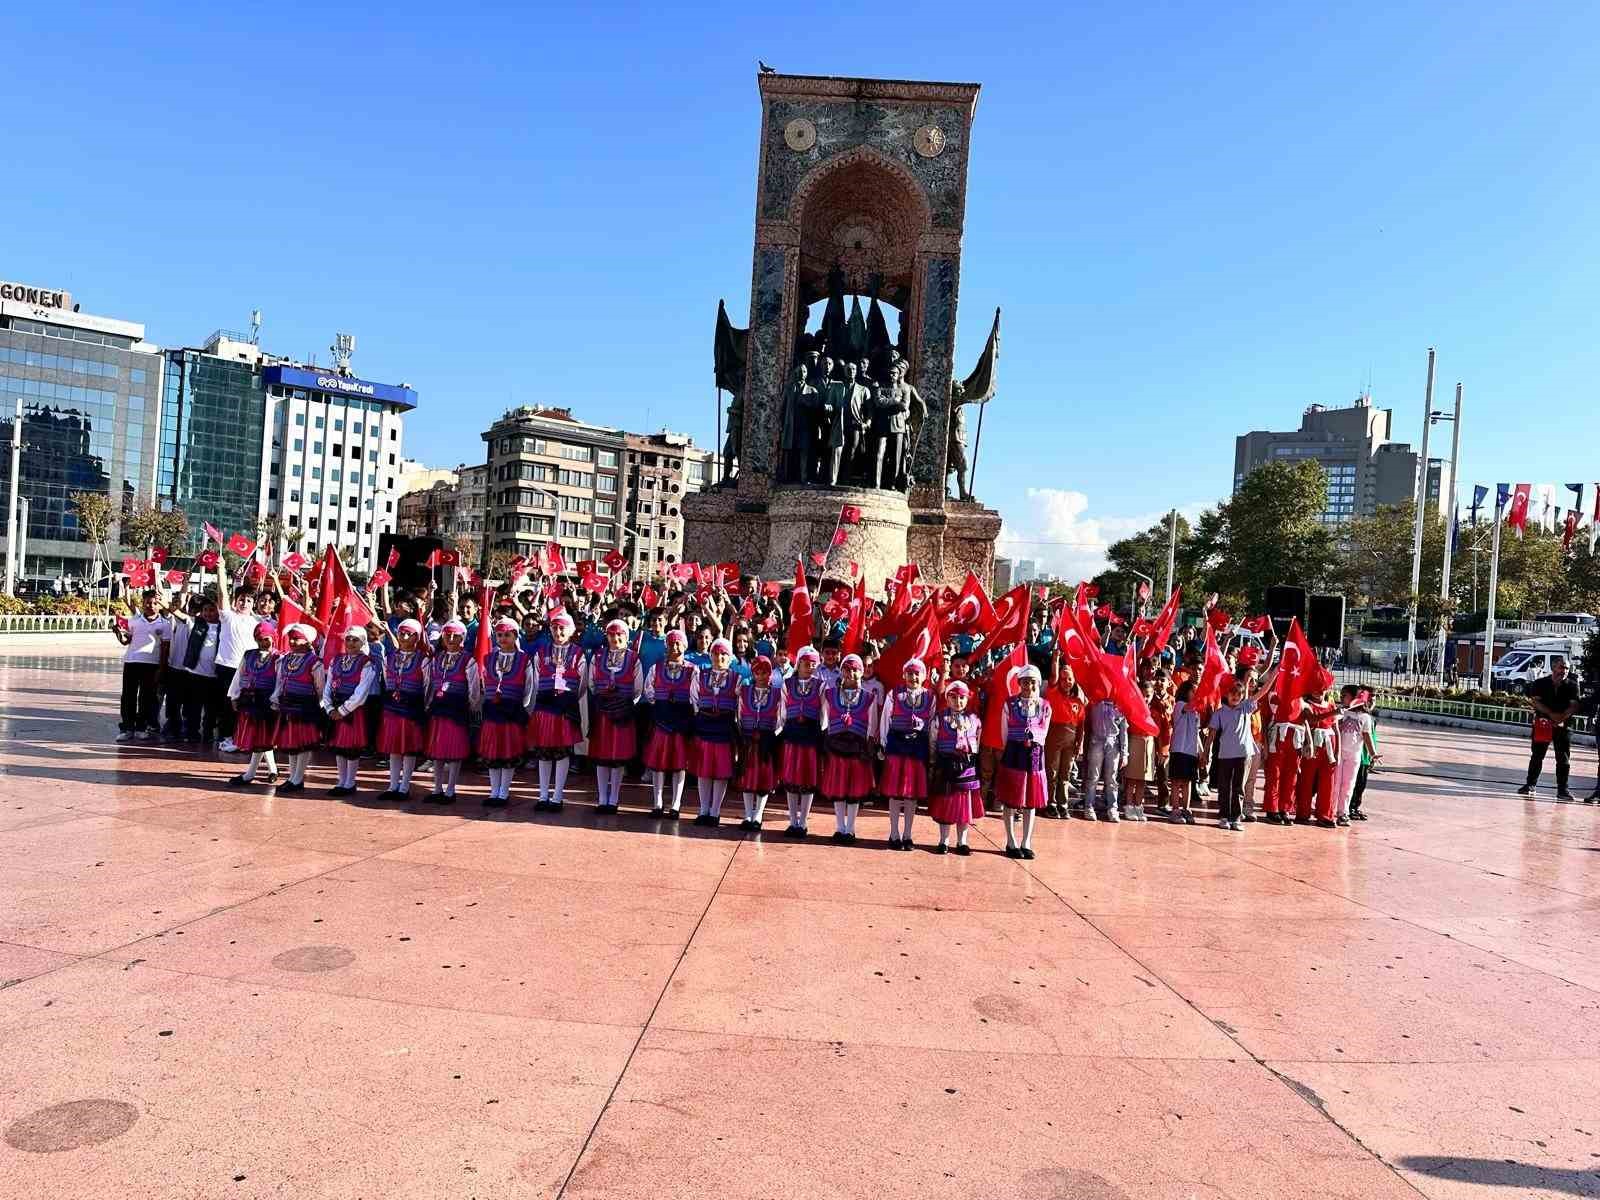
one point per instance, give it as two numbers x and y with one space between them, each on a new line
957 808
757 773
295 734
1020 789
799 767
399 734
350 734
711 760
448 740
551 731
611 743
904 778
846 778
501 742
667 751
253 733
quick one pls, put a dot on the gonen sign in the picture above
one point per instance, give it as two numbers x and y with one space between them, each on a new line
38 296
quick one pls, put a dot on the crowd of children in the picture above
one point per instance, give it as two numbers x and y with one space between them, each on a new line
613 683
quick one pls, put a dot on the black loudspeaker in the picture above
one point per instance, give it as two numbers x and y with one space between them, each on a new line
411 572
1285 604
1325 627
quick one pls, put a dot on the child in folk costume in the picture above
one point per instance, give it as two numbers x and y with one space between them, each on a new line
298 699
507 692
1355 745
955 793
668 689
903 731
799 763
715 694
351 677
402 734
615 683
251 695
760 720
1020 783
455 693
850 719
556 725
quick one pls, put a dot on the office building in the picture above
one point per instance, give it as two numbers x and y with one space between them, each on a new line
661 469
451 508
1002 575
1026 570
90 389
1366 470
553 478
213 462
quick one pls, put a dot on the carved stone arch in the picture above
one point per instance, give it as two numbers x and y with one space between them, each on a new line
866 213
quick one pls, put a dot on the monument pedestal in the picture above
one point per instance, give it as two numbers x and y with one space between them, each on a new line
802 520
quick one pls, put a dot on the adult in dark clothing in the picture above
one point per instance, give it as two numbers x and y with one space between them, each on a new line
1555 699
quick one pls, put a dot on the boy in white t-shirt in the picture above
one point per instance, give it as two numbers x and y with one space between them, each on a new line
144 639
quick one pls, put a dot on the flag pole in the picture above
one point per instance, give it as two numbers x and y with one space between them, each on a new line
1449 534
1421 495
977 444
1494 583
1172 548
716 450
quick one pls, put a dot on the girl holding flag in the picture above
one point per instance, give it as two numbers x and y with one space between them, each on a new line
614 684
455 693
350 677
556 725
298 701
507 693
250 693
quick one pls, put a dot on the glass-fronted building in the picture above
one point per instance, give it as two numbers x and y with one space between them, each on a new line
90 389
213 425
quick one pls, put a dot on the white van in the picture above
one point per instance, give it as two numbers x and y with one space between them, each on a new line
1530 659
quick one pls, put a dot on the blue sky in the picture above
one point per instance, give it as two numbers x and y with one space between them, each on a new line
1198 219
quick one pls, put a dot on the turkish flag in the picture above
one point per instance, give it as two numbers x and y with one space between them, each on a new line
648 597
908 573
449 558
585 566
212 532
1084 615
1103 613
480 651
1569 530
802 627
206 558
1218 619
393 560
131 566
158 555
1122 677
855 570
818 558
593 583
1080 652
841 595
972 608
615 560
1518 519
1256 624
176 577
290 613
747 609
850 514
855 631
698 574
379 578
256 572
1299 675
1090 590
922 639
432 561
519 568
1002 686
772 589
840 537
554 563
680 572
140 577
1161 628
242 546
339 605
728 572
896 617
294 560
1213 674
1010 620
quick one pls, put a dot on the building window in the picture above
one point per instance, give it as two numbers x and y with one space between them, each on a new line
274 465
294 520
295 470
319 422
316 497
606 458
294 497
333 475
300 418
356 428
316 447
605 508
272 493
349 526
604 533
606 483
311 522
697 472
372 456
355 501
571 529
338 425
367 528
299 445
316 472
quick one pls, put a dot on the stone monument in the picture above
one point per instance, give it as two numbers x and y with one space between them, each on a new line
861 195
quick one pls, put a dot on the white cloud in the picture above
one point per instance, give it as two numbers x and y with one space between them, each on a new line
1057 530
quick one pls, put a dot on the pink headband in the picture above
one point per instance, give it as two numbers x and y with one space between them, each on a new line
617 627
722 646
410 625
453 627
504 624
676 637
852 660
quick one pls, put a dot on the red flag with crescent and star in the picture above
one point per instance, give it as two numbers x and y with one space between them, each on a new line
1002 686
1299 675
972 609
1010 620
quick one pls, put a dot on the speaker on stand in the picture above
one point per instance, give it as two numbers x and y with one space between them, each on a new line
1325 622
1285 604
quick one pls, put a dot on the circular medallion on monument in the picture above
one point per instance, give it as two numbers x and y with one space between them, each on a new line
800 134
929 141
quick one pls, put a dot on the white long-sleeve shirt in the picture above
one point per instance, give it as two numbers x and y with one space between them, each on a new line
364 686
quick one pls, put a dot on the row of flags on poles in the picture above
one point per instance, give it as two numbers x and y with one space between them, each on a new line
1518 504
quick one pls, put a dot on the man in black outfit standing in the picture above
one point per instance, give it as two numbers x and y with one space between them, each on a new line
1555 698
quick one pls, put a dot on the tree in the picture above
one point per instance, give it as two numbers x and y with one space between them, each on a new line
499 566
469 547
150 525
93 513
1270 532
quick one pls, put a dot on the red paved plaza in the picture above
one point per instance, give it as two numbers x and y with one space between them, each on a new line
216 993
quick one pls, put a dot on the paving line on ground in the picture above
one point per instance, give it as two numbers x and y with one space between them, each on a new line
1303 1093
645 1028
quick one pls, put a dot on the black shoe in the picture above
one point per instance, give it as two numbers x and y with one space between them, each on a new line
340 790
1302 820
1013 852
1525 790
658 813
672 814
291 787
1248 818
1358 815
1343 821
541 806
1026 853
494 802
1565 795
849 839
907 844
798 832
240 781
703 819
941 848
1323 823
840 835
440 798
556 806
964 850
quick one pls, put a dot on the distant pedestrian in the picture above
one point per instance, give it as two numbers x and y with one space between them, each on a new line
1554 698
